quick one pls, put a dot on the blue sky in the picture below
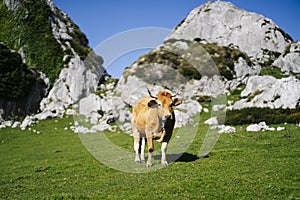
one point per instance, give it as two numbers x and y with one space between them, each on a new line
102 19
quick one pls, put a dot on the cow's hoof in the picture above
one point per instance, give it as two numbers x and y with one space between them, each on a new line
164 164
137 160
149 165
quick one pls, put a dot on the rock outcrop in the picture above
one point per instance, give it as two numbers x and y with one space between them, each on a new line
262 126
78 79
74 83
267 91
290 59
222 23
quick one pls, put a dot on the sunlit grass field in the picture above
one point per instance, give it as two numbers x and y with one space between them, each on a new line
54 164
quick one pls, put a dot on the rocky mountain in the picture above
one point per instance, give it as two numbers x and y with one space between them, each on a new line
223 23
53 46
219 54
216 50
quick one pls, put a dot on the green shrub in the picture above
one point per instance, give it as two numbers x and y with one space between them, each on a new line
254 94
79 41
173 60
267 70
29 28
16 80
204 98
256 115
224 58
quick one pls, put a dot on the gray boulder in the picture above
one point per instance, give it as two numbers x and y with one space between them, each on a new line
262 126
289 61
267 91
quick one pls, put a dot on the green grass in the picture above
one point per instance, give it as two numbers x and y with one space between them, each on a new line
55 165
272 71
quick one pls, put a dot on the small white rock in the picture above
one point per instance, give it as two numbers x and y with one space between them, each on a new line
253 128
212 121
206 110
279 128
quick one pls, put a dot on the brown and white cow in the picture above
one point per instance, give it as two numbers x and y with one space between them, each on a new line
153 118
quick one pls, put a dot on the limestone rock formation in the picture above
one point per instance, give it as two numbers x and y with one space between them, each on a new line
223 23
290 59
267 91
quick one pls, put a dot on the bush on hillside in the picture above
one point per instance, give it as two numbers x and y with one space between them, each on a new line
224 58
256 115
173 60
29 29
16 80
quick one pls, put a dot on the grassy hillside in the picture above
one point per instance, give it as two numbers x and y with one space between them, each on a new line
28 29
222 56
49 162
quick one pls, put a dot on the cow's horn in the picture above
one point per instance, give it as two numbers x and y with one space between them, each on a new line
151 94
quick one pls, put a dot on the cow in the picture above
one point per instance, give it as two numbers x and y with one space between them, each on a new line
153 118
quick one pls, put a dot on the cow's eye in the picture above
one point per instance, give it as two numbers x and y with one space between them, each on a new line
159 104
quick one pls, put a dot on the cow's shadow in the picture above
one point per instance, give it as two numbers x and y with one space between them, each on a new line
184 157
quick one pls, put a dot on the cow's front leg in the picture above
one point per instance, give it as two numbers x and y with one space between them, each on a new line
143 142
164 147
160 137
150 150
136 148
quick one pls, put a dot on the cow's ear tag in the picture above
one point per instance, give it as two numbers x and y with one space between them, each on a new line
152 103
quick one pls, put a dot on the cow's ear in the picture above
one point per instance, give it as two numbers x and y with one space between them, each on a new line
152 103
176 102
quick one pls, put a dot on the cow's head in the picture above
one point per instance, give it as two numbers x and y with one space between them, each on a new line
159 109
167 101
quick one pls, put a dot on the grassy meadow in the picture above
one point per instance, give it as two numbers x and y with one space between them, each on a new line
49 162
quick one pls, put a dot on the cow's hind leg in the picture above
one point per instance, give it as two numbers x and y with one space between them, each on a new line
164 147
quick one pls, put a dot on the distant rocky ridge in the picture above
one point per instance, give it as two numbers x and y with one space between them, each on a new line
216 50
